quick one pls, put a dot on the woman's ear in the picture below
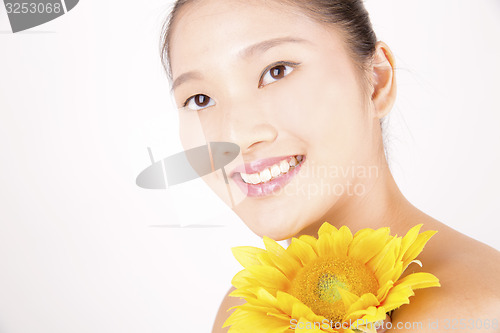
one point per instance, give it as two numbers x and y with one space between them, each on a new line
383 80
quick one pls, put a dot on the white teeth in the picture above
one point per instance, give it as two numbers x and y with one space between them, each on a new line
265 175
271 172
245 177
275 170
254 178
284 166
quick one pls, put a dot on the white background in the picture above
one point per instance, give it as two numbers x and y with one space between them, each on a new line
83 249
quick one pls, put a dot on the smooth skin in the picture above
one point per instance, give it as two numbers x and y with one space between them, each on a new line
320 104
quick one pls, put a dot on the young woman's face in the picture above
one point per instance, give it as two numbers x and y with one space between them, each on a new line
279 85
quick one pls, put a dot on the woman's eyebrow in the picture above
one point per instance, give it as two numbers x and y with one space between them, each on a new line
249 51
186 77
263 46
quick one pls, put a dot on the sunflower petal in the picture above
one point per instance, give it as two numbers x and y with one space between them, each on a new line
367 245
386 264
266 298
363 302
269 277
392 274
327 228
342 240
281 258
252 308
247 255
325 245
301 310
243 279
392 246
264 259
408 239
418 262
362 232
286 301
311 241
347 297
279 316
242 293
383 290
370 315
396 297
249 322
263 298
234 317
369 318
417 246
293 307
419 280
301 251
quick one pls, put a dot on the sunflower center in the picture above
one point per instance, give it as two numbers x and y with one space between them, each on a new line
317 284
328 288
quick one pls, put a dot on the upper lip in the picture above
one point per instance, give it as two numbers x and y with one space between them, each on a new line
259 165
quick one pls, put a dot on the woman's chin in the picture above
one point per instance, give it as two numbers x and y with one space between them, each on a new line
272 229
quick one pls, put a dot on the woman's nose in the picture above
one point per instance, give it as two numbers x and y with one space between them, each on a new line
249 125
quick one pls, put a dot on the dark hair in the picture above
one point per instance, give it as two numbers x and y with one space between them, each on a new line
348 15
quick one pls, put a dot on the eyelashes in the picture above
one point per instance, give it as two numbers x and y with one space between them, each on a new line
276 71
198 102
272 73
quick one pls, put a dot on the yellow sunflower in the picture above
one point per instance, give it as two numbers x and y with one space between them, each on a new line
335 283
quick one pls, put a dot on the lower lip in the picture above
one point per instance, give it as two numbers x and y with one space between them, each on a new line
265 189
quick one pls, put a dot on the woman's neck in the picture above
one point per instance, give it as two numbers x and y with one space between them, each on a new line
383 205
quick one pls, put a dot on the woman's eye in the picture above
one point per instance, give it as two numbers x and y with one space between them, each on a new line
275 73
199 102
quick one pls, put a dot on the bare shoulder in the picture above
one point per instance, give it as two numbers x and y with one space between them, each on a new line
468 299
223 314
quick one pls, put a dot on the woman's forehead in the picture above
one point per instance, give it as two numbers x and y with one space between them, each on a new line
225 29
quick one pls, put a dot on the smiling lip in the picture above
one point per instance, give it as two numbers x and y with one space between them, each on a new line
267 188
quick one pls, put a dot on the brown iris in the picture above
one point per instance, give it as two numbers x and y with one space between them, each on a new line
201 100
278 72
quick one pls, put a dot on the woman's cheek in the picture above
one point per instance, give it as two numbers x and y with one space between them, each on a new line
293 105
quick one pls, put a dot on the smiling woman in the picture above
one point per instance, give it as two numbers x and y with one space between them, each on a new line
301 88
